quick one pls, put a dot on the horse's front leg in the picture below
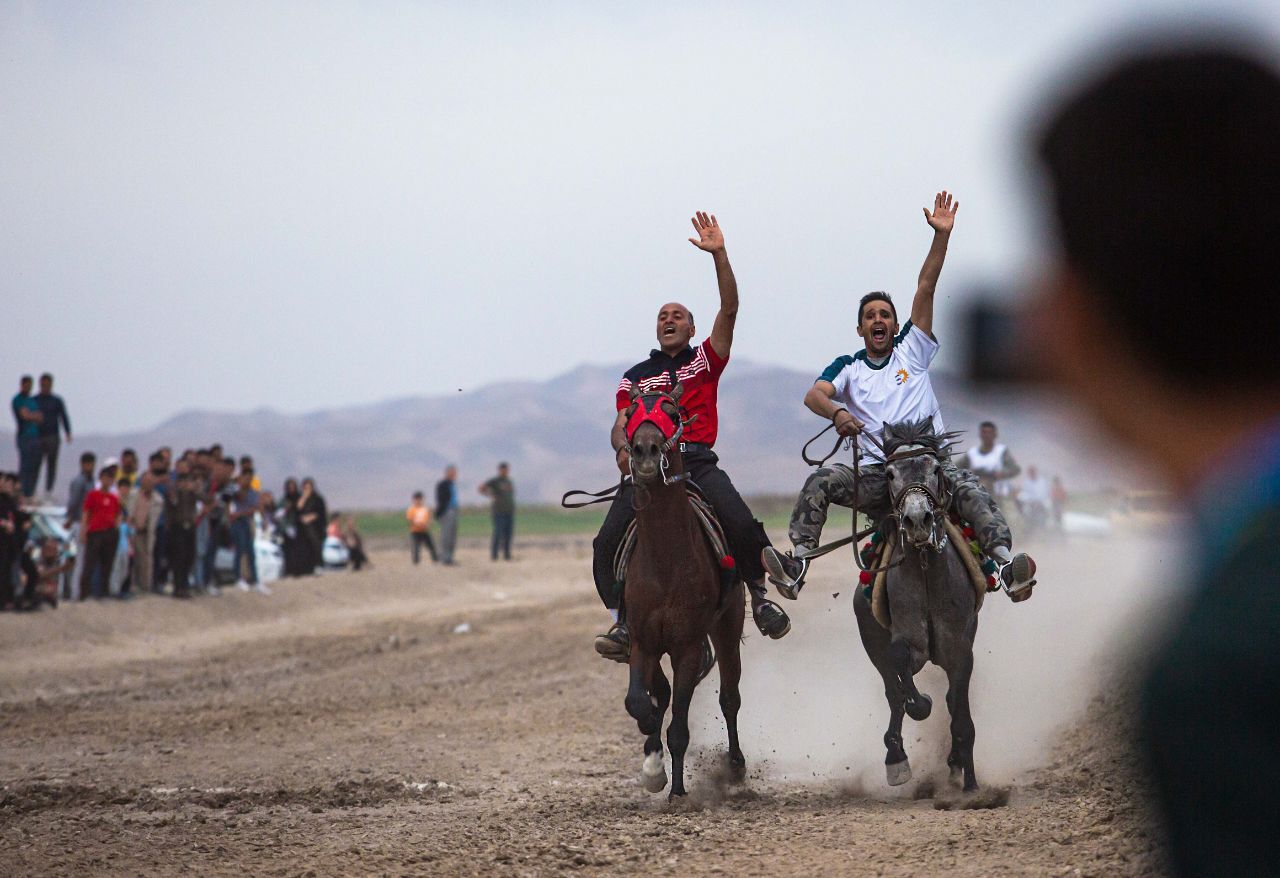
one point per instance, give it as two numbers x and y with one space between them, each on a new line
905 660
647 710
962 730
685 666
653 774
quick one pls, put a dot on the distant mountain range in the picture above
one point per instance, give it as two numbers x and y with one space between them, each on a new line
554 433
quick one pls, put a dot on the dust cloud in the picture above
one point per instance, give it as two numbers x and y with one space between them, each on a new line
814 708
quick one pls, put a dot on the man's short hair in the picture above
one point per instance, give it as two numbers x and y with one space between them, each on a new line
417 495
25 378
1195 125
88 457
46 377
155 455
984 424
504 465
130 452
877 296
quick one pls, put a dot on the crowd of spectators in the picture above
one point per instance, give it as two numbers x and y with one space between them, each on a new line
125 530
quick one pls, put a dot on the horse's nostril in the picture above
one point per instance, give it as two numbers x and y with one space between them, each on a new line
928 518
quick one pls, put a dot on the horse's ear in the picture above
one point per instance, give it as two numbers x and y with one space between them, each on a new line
635 392
677 391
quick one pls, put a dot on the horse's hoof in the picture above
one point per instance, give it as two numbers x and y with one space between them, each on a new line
737 769
653 774
957 776
919 708
673 795
898 773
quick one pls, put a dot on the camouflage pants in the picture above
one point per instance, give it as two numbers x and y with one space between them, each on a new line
834 484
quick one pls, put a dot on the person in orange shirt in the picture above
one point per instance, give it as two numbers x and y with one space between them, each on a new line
419 517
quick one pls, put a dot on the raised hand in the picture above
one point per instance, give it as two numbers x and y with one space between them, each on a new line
943 217
710 238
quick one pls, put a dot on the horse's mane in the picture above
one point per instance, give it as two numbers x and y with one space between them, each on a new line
921 432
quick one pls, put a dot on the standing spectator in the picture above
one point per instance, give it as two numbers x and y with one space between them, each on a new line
144 521
120 572
246 463
181 516
419 517
311 524
240 512
992 463
100 532
288 527
129 467
161 483
80 487
1058 496
354 543
447 513
503 494
26 431
201 482
53 416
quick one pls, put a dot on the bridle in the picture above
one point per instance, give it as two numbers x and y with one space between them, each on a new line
939 502
646 408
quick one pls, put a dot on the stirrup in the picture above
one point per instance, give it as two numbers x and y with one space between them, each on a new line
777 626
615 644
775 566
1018 577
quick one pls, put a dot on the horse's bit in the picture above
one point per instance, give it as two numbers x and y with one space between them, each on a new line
938 538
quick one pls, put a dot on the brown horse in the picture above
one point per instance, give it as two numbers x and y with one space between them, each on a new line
674 597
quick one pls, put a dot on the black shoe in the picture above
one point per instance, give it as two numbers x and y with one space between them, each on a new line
615 644
708 660
771 619
785 571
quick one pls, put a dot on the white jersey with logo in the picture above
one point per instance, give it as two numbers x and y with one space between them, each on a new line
896 390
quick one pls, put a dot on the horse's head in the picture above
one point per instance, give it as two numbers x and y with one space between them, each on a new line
917 487
654 426
917 490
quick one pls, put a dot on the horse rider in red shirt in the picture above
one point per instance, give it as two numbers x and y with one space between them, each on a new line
698 369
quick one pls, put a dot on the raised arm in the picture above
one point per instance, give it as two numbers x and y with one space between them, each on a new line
711 239
942 220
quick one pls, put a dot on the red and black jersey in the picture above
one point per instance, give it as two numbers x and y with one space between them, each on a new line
698 369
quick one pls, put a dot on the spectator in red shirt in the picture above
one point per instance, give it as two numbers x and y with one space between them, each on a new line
100 532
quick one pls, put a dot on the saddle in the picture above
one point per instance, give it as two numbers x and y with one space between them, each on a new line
958 540
711 529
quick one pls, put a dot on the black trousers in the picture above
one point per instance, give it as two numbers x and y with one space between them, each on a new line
747 538
99 554
503 524
48 455
182 555
418 539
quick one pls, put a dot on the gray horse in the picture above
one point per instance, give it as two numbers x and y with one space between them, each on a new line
931 599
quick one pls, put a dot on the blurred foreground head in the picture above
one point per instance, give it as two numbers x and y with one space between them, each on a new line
1162 310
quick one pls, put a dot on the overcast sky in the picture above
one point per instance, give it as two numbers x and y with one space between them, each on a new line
225 206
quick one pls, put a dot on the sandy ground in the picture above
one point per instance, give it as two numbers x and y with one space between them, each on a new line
340 726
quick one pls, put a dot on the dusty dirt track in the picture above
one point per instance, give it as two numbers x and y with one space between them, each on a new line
341 727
